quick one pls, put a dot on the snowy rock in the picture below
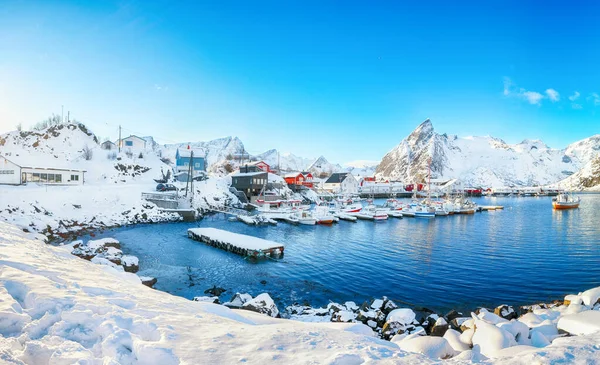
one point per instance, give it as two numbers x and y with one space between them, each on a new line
216 291
467 336
539 340
489 317
149 281
432 347
490 339
237 301
440 327
518 329
505 311
377 304
351 306
453 338
402 315
214 300
343 316
582 323
262 304
457 323
130 263
571 298
467 323
591 297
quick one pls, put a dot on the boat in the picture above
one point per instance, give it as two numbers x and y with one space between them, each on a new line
565 201
323 216
378 213
419 211
304 217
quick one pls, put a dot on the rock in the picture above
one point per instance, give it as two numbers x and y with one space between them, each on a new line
216 291
237 301
468 324
334 307
490 317
401 315
262 304
343 316
351 306
450 316
432 347
576 299
214 300
148 281
263 282
453 338
591 297
130 263
506 311
457 323
579 324
491 338
440 327
377 304
388 305
518 329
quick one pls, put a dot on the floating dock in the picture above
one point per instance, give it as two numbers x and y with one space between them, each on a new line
491 207
240 244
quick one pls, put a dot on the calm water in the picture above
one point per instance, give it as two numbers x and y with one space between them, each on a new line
523 254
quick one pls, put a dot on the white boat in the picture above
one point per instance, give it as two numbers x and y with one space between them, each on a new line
419 211
377 213
304 217
565 201
395 213
323 216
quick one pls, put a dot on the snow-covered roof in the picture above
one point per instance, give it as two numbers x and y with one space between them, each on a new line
292 174
133 136
40 162
187 152
238 174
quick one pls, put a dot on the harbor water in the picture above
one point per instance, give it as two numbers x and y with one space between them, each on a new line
524 254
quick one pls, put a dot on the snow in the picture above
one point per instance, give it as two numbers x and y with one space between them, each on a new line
401 315
583 323
490 338
488 161
591 296
236 239
432 347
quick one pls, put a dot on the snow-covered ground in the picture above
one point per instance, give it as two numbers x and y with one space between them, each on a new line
56 308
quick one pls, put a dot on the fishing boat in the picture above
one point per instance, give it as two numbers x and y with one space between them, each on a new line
419 211
323 216
565 201
304 217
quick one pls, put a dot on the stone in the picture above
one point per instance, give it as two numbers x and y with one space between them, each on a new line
149 281
506 311
214 300
457 323
452 315
130 263
264 304
215 291
439 328
334 307
237 301
263 282
388 305
343 316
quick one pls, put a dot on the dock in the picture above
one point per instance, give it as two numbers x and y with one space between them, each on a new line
491 207
240 244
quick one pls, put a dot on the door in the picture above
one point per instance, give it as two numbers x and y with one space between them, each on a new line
23 178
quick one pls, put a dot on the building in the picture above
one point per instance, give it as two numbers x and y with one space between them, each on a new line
18 173
341 182
298 180
132 144
250 183
108 145
257 166
183 158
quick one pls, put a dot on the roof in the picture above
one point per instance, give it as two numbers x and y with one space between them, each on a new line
336 178
42 164
293 174
111 142
306 173
184 152
134 136
242 174
257 162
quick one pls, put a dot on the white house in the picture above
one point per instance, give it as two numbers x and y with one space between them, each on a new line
132 144
13 173
341 182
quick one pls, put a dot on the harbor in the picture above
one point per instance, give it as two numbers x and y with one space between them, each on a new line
242 245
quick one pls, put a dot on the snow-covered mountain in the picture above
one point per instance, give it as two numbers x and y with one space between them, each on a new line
483 161
321 167
588 178
286 161
215 151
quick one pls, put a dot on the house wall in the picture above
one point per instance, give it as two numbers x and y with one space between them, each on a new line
182 164
350 185
136 144
10 173
53 176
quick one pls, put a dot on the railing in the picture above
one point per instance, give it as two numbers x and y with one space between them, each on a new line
160 196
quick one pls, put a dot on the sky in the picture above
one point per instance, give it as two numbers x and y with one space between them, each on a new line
344 79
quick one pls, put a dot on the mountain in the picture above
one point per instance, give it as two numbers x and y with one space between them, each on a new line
215 151
286 162
483 161
321 167
588 178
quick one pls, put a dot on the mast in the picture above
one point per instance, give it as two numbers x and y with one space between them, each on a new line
429 180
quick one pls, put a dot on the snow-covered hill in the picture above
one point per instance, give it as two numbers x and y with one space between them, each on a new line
588 178
289 162
215 151
483 161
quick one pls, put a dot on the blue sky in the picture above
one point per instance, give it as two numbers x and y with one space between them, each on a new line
347 80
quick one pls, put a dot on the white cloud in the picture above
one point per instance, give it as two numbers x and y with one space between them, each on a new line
553 95
595 98
574 96
532 97
576 106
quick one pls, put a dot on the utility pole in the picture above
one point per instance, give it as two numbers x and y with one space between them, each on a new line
119 141
68 116
278 163
62 114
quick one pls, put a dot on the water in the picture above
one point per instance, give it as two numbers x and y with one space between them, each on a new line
523 254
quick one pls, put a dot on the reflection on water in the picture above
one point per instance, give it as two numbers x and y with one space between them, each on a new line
523 254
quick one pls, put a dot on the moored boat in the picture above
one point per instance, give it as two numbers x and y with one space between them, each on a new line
565 201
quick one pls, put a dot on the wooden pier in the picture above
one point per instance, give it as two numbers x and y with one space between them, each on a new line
240 244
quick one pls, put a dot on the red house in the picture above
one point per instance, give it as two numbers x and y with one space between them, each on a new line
299 178
308 179
261 165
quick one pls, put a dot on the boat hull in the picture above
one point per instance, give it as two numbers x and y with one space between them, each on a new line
562 206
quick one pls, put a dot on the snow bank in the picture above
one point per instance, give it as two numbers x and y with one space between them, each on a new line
583 323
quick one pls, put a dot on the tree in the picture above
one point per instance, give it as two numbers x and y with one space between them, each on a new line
87 153
52 120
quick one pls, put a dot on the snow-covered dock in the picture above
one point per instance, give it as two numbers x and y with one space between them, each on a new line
236 243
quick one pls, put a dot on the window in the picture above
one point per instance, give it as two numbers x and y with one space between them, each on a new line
129 143
58 178
50 178
36 177
197 165
7 172
43 177
74 177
